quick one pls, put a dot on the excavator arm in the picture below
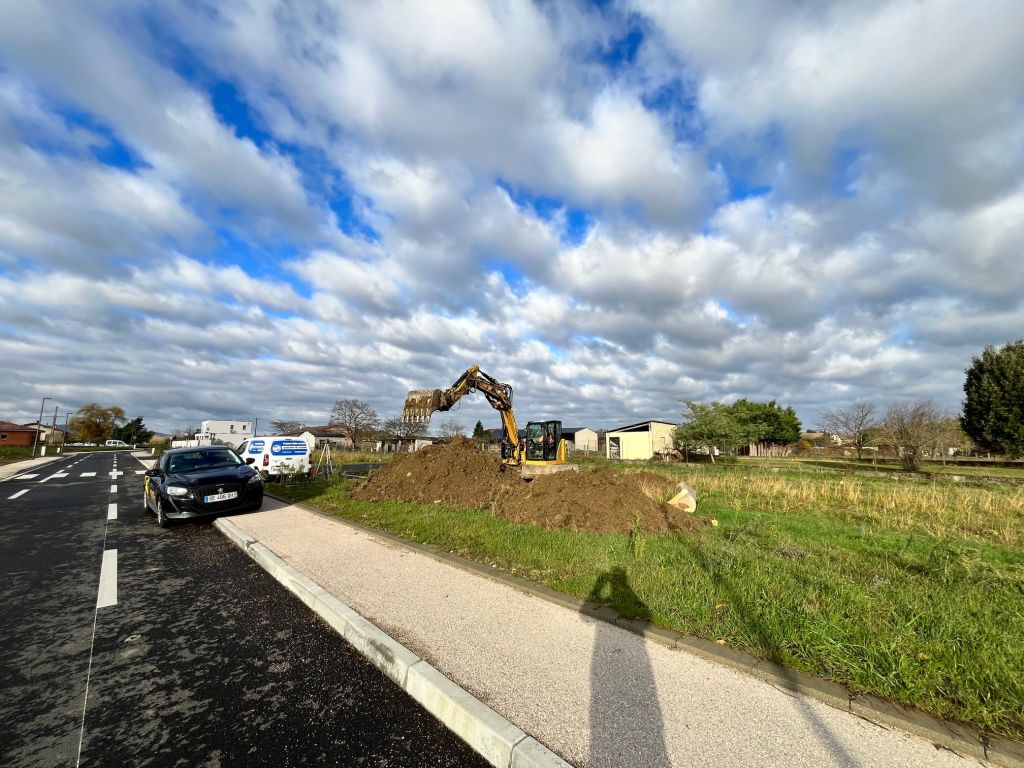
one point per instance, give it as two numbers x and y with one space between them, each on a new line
420 404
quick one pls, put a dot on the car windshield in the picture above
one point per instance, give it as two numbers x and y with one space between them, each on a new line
200 461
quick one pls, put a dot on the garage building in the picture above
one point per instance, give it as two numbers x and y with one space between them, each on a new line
639 441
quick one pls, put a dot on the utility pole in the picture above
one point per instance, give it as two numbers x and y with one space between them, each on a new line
64 438
53 426
39 423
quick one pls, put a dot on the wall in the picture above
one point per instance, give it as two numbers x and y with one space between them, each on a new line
585 440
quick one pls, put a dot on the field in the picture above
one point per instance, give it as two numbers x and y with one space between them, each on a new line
11 453
909 590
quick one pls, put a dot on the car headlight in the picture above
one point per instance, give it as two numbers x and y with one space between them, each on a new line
177 490
255 478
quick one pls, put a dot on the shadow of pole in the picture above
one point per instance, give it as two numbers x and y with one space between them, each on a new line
750 619
626 727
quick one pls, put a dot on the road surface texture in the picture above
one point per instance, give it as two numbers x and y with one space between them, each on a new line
594 693
128 645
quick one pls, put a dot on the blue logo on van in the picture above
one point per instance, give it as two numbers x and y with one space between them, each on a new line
256 446
289 448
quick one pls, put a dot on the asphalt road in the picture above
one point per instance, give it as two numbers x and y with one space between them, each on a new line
127 645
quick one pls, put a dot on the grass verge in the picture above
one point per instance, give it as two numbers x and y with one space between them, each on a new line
917 603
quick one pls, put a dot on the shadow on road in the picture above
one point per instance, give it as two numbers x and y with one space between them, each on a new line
626 726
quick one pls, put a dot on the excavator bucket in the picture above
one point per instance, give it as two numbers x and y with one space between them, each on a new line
420 404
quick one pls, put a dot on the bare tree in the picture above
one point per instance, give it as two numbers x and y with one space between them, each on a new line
911 429
284 427
857 424
397 427
357 418
450 428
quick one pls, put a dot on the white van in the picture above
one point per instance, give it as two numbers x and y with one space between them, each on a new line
277 454
116 444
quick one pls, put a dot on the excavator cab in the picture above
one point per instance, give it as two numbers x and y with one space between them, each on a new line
543 439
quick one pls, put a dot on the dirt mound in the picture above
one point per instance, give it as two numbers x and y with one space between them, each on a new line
600 501
456 473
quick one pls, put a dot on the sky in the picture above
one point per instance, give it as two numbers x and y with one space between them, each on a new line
252 209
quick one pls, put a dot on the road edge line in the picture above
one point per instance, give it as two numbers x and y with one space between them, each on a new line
499 741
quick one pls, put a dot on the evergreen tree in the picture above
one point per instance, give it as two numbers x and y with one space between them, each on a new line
993 414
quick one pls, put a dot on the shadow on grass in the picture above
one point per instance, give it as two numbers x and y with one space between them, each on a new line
751 620
626 726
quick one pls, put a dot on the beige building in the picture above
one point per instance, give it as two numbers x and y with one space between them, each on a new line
580 438
639 441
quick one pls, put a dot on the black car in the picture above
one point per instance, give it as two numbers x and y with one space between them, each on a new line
201 482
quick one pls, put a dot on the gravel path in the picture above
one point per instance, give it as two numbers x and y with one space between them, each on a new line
596 694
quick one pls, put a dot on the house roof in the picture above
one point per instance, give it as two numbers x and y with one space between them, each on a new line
34 424
630 427
10 426
574 430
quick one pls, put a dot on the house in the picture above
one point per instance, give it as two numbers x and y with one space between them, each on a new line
16 434
639 441
230 431
580 438
48 435
326 434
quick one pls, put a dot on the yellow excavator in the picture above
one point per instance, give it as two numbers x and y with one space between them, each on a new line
541 452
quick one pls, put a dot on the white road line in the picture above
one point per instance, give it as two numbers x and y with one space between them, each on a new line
25 477
115 473
56 474
19 493
140 471
113 489
108 580
111 511
88 474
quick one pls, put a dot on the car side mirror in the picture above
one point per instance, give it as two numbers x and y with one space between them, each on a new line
154 472
250 460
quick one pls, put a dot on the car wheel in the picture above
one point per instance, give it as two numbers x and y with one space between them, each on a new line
161 517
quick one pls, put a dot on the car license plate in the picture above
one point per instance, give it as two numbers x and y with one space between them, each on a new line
220 497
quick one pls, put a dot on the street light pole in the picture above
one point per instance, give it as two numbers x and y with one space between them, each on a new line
53 427
39 423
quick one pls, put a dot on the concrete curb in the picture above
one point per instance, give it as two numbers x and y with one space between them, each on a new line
956 737
501 743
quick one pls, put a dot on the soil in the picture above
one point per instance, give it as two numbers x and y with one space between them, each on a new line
600 501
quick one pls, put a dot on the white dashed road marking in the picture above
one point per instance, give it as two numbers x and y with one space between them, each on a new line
111 511
140 471
26 477
113 489
88 474
115 473
108 580
56 474
19 493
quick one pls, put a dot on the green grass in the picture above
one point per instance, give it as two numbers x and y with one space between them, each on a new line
11 453
887 465
806 572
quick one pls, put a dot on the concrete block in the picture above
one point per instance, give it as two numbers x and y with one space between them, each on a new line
386 654
333 611
530 753
240 539
492 736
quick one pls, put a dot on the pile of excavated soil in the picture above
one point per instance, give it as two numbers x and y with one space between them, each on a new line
601 501
456 473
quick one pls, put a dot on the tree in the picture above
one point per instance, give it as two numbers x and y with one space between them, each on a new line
94 423
857 424
712 426
913 428
480 435
450 429
357 418
285 427
396 427
133 432
993 411
185 433
768 422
